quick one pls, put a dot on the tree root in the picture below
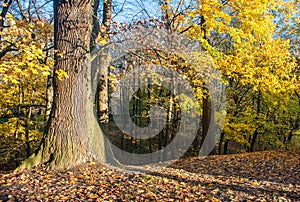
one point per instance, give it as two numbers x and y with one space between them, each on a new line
34 160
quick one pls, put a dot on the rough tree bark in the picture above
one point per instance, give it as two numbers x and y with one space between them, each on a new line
73 133
103 84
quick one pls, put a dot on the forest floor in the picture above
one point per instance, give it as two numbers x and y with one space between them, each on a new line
258 176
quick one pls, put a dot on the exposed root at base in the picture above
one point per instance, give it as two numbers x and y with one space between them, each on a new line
33 160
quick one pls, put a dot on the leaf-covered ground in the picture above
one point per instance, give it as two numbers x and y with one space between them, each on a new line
263 176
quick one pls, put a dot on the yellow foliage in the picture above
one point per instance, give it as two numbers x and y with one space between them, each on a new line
24 68
249 51
26 43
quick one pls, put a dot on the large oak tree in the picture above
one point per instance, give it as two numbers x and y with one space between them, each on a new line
73 134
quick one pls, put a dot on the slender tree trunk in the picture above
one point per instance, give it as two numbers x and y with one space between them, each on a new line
207 111
168 130
225 151
103 84
221 143
174 116
27 128
289 138
103 89
253 140
96 26
206 119
255 134
73 136
27 125
297 123
102 62
149 105
49 96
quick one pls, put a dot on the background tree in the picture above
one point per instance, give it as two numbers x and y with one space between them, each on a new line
104 65
26 63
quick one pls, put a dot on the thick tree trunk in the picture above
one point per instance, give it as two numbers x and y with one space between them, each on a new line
74 136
